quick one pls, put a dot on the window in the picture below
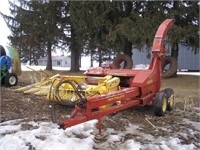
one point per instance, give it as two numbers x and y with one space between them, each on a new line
58 63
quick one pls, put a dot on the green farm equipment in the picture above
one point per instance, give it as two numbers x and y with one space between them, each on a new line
10 66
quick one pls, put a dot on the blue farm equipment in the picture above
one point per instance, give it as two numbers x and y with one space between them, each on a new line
10 66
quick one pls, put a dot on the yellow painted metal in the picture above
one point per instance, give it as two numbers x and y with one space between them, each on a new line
38 84
43 91
164 104
78 79
31 91
65 91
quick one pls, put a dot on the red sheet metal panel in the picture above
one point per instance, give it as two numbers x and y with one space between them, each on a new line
160 35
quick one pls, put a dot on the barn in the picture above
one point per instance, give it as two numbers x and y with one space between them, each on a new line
188 60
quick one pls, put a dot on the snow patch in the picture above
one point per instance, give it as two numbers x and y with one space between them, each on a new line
9 129
196 125
10 142
141 67
46 136
132 145
175 143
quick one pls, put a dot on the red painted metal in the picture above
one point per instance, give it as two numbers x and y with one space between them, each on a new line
160 36
143 86
73 121
122 95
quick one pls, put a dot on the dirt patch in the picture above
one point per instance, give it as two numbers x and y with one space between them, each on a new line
18 106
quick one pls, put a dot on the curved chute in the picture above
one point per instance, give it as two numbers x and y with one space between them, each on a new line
160 35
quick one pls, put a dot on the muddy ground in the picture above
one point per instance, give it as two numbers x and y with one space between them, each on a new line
17 106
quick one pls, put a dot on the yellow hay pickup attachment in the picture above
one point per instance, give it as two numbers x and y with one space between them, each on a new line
69 89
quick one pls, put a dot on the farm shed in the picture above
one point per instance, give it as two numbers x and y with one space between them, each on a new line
187 59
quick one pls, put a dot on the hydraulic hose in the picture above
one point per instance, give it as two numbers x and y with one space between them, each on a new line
59 91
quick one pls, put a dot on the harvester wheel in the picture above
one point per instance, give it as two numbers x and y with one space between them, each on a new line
11 79
170 98
169 66
160 106
128 63
2 81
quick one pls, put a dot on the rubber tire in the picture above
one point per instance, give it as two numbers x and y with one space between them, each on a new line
2 81
2 50
169 94
172 69
7 80
160 99
119 59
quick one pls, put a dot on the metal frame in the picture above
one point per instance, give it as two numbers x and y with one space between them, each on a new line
144 84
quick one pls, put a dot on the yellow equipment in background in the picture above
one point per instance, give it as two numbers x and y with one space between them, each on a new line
16 65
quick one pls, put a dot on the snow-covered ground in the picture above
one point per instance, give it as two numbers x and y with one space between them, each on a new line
27 135
189 73
23 134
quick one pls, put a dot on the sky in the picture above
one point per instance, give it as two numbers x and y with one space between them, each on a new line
4 30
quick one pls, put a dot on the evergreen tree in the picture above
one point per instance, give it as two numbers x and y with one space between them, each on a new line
92 22
98 28
38 27
185 31
137 22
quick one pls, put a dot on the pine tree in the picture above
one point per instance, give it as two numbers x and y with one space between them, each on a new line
98 28
38 27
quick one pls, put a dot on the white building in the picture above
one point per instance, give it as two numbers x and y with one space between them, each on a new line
59 61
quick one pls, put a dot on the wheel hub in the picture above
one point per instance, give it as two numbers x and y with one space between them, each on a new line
12 80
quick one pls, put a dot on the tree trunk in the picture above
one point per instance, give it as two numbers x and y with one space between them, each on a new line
91 58
175 50
49 58
30 54
49 40
128 49
75 52
100 57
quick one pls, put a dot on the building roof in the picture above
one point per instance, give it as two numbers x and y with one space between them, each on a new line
55 58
